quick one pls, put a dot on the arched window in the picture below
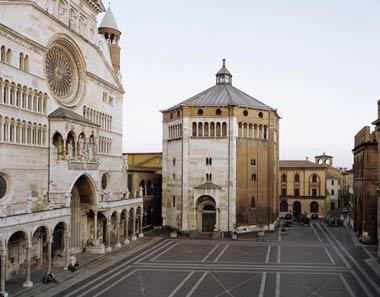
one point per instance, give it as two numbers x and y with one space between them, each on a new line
26 63
58 145
297 178
142 186
212 129
265 132
200 129
283 206
314 178
206 129
250 131
224 129
194 129
283 178
253 202
218 130
21 61
3 54
9 56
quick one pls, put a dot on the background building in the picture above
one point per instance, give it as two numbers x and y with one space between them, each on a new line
145 179
62 177
334 182
220 161
364 212
302 187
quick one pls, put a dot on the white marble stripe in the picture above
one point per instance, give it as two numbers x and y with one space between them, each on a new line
210 253
262 285
329 255
181 284
164 252
122 267
277 284
221 253
197 284
315 232
352 294
268 255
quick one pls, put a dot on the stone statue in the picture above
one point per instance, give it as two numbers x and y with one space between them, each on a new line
70 150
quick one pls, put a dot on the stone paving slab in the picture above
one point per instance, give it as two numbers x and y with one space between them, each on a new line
310 263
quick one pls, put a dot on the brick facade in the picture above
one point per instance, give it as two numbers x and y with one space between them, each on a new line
364 212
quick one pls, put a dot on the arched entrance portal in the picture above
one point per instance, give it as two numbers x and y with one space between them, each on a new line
297 208
83 197
206 214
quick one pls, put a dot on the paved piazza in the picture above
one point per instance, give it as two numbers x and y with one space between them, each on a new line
309 261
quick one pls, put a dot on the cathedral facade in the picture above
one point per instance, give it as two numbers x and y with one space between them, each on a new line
63 182
220 162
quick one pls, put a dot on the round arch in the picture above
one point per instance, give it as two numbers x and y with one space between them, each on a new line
297 208
206 207
83 195
314 207
16 244
284 207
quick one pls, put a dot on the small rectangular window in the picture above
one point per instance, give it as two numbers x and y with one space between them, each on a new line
174 161
283 192
253 177
253 162
332 192
332 182
173 176
296 192
173 202
314 193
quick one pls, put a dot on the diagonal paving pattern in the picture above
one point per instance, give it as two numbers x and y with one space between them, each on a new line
306 262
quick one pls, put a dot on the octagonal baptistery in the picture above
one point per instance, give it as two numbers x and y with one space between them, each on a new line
220 161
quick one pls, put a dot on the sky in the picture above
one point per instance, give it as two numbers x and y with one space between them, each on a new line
317 62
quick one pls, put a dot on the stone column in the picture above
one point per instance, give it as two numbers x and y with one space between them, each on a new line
126 241
134 226
141 234
217 219
3 271
67 247
28 283
49 242
95 226
109 248
118 232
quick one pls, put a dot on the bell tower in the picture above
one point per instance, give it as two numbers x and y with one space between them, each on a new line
109 29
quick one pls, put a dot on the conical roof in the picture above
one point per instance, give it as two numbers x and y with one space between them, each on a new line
109 21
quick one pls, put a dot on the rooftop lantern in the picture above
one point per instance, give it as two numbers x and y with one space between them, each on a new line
223 76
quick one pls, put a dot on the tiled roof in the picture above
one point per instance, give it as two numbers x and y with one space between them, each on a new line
300 164
223 95
63 113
